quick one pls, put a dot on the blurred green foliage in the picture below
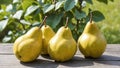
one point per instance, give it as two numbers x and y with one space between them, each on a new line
5 2
110 26
21 15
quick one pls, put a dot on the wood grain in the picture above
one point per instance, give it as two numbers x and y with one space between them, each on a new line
110 58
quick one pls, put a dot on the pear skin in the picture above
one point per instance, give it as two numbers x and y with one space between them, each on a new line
47 34
62 46
92 42
28 46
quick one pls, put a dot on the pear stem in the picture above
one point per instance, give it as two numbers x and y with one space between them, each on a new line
66 22
91 17
44 22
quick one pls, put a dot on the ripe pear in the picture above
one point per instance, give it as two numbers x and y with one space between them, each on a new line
92 42
28 46
47 34
62 46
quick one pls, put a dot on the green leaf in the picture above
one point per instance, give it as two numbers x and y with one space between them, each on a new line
48 7
2 14
79 15
36 15
3 24
9 8
54 19
97 16
6 39
26 4
76 1
31 9
58 5
70 25
103 1
89 1
1 11
35 24
69 14
3 7
16 1
18 14
69 4
10 33
25 22
41 1
28 18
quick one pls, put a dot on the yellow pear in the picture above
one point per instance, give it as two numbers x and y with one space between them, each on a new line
47 34
92 42
62 46
28 46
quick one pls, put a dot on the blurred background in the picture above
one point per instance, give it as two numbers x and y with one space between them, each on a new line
110 26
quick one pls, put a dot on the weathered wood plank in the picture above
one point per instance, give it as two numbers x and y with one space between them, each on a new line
11 61
110 58
82 64
7 48
111 49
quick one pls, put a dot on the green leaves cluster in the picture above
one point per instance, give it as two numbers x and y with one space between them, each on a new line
19 16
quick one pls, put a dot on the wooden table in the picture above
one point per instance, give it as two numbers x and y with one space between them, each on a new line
110 58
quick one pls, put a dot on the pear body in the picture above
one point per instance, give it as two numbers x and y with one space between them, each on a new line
28 46
62 46
47 34
92 43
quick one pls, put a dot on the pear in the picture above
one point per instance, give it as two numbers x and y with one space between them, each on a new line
47 34
92 42
28 46
62 46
